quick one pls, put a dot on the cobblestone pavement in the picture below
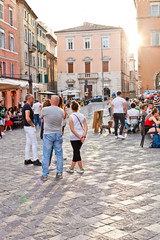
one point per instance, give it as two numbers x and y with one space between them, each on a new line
118 197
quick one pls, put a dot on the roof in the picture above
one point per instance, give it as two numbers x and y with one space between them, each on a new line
88 27
28 7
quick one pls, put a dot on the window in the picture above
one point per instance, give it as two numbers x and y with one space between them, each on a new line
25 35
30 60
26 57
33 38
44 36
70 44
44 63
2 39
155 39
40 32
30 38
105 42
40 61
87 43
70 67
70 85
154 10
5 68
25 14
11 43
12 69
11 16
37 30
34 61
1 10
106 66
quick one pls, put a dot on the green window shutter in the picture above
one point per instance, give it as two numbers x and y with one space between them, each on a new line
44 48
40 78
44 63
46 78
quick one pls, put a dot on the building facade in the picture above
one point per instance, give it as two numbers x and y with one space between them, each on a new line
84 52
41 55
27 43
148 19
8 52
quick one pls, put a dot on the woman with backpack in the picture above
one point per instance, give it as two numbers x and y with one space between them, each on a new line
78 132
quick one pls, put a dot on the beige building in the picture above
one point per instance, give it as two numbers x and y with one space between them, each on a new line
82 54
27 41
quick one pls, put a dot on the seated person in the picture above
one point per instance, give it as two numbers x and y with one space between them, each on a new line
143 111
151 121
133 112
149 109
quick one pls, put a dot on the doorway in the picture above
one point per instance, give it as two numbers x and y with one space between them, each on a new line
87 69
88 92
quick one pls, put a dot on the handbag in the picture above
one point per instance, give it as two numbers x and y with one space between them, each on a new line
79 120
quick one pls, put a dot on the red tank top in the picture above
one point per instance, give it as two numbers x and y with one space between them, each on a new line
149 123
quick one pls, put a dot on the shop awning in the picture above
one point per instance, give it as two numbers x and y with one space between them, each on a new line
6 84
47 93
69 92
38 86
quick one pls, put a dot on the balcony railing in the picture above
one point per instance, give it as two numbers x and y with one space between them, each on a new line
32 47
87 75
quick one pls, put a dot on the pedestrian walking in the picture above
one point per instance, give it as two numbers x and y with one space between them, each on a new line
3 112
36 108
52 137
118 113
8 122
29 127
78 133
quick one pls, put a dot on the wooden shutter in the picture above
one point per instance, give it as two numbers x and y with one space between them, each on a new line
87 67
70 67
105 67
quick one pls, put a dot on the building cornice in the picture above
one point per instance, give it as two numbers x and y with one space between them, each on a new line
28 7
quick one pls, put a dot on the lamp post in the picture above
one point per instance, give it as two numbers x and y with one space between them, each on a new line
102 70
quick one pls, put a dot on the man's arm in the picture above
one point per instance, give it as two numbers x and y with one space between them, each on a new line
112 108
125 108
28 119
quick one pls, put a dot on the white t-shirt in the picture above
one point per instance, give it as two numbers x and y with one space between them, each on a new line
77 126
36 107
132 113
118 105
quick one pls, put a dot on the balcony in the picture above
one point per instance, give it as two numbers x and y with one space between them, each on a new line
86 76
32 47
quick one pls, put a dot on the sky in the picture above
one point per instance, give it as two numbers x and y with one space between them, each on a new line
62 14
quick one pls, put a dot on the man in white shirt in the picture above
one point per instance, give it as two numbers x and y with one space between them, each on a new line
36 107
118 111
132 113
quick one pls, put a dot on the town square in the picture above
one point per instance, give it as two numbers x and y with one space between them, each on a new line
79 120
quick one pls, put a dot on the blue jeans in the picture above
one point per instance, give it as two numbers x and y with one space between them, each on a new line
50 142
37 119
128 126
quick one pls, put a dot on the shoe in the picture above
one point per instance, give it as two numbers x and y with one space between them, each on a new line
26 162
133 131
80 171
116 137
37 163
129 131
44 178
121 137
70 170
59 176
3 134
52 167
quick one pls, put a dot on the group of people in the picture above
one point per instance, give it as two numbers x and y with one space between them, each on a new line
52 114
131 114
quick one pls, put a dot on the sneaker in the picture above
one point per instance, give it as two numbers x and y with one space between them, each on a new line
70 170
26 162
44 178
52 167
80 171
59 176
3 134
37 163
121 137
116 137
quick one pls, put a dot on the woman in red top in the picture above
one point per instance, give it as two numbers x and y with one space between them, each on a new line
153 119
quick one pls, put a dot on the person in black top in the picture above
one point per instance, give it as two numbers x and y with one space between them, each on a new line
28 120
3 111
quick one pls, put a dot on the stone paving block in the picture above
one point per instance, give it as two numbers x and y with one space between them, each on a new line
138 210
116 234
104 229
154 228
